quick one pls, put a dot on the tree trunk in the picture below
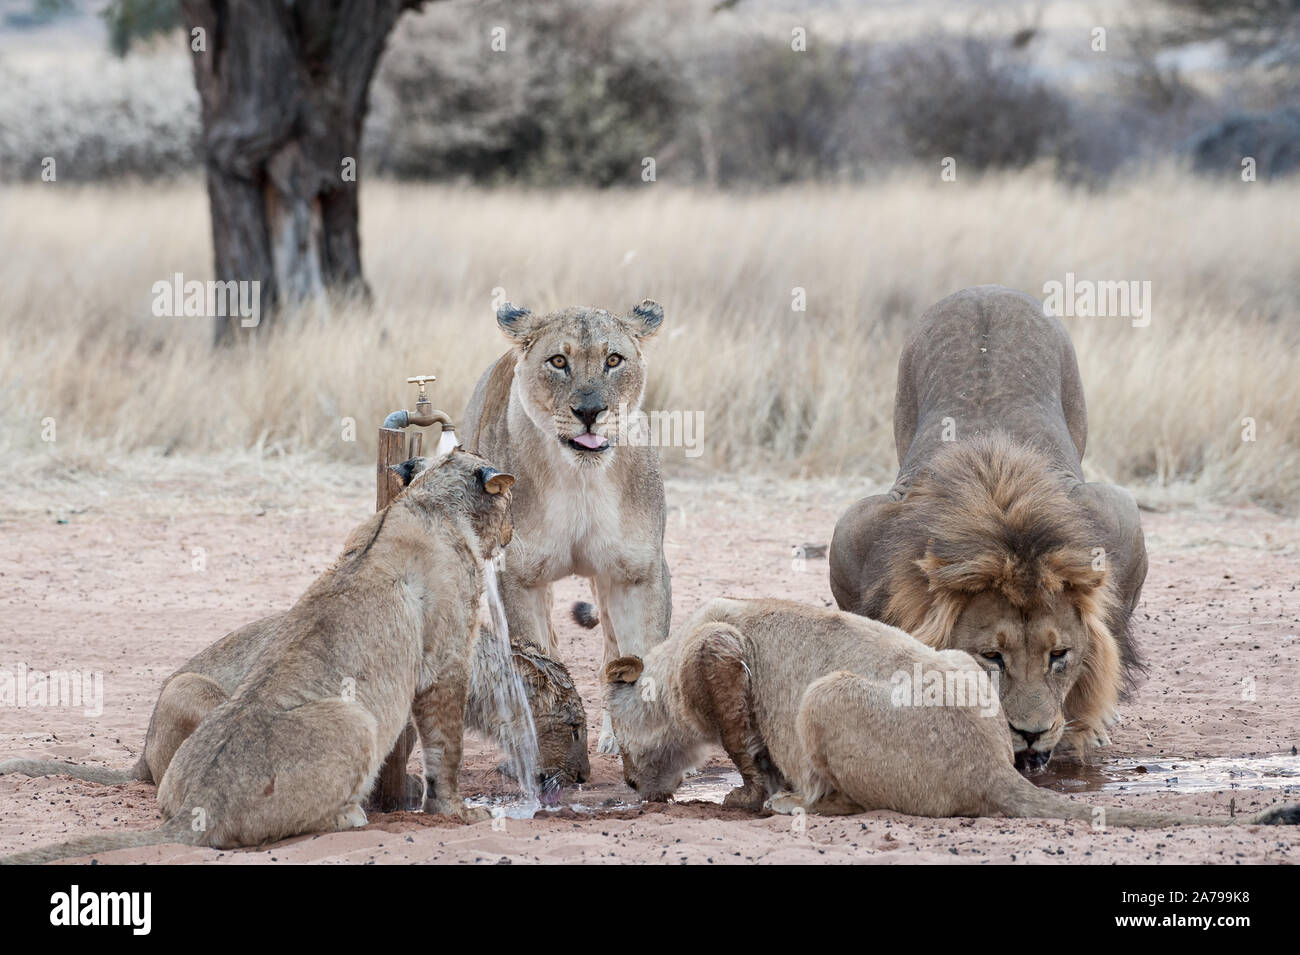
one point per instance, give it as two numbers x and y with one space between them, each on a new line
283 87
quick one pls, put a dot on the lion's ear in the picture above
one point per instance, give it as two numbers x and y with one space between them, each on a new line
965 576
410 469
646 318
494 482
624 670
930 564
518 323
1073 568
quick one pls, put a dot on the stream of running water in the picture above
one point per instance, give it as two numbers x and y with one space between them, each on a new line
517 736
446 444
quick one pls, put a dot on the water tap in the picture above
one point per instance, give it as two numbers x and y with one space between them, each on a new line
424 415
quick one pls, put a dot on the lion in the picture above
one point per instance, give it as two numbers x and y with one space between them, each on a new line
990 540
384 634
833 713
558 410
557 710
210 678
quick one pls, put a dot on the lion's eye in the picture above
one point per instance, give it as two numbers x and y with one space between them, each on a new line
1060 654
992 655
558 361
613 361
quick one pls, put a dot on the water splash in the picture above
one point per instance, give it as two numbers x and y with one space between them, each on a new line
517 733
446 444
710 785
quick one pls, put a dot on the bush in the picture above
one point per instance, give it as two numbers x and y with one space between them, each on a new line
965 98
574 98
101 119
770 115
1272 139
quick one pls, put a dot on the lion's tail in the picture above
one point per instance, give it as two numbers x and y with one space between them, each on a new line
1016 796
585 614
172 832
53 767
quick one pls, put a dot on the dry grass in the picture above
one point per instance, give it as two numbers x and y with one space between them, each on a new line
782 391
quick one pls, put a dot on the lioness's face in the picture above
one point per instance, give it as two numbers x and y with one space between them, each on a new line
582 374
1036 658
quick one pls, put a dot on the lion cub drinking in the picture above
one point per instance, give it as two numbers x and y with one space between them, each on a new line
815 700
383 635
208 679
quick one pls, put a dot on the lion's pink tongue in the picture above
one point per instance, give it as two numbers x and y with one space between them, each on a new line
590 441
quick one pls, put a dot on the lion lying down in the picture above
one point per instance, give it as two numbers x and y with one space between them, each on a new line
824 703
383 635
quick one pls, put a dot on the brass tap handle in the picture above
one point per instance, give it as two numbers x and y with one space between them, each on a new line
422 381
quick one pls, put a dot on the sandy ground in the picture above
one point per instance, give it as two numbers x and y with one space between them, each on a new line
98 572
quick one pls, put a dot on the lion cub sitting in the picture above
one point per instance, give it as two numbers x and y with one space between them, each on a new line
851 713
208 679
384 634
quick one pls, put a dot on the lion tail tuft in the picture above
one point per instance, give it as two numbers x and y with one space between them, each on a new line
585 614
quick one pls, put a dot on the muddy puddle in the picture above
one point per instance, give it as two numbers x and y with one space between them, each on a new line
707 786
1173 775
1114 775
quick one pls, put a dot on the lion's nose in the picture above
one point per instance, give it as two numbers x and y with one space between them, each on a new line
1032 762
588 409
1028 737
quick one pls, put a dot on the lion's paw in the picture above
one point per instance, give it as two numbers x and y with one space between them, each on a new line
352 817
785 803
744 797
606 744
455 807
442 807
472 814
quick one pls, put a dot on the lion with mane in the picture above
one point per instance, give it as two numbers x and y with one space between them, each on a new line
990 540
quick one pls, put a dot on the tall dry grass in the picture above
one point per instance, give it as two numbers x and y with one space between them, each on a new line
781 390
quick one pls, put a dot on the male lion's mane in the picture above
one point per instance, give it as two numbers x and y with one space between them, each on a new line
992 514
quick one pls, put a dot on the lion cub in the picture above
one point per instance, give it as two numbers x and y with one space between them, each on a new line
850 713
383 635
209 678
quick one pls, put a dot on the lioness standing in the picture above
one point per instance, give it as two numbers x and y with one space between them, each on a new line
990 540
382 635
552 411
